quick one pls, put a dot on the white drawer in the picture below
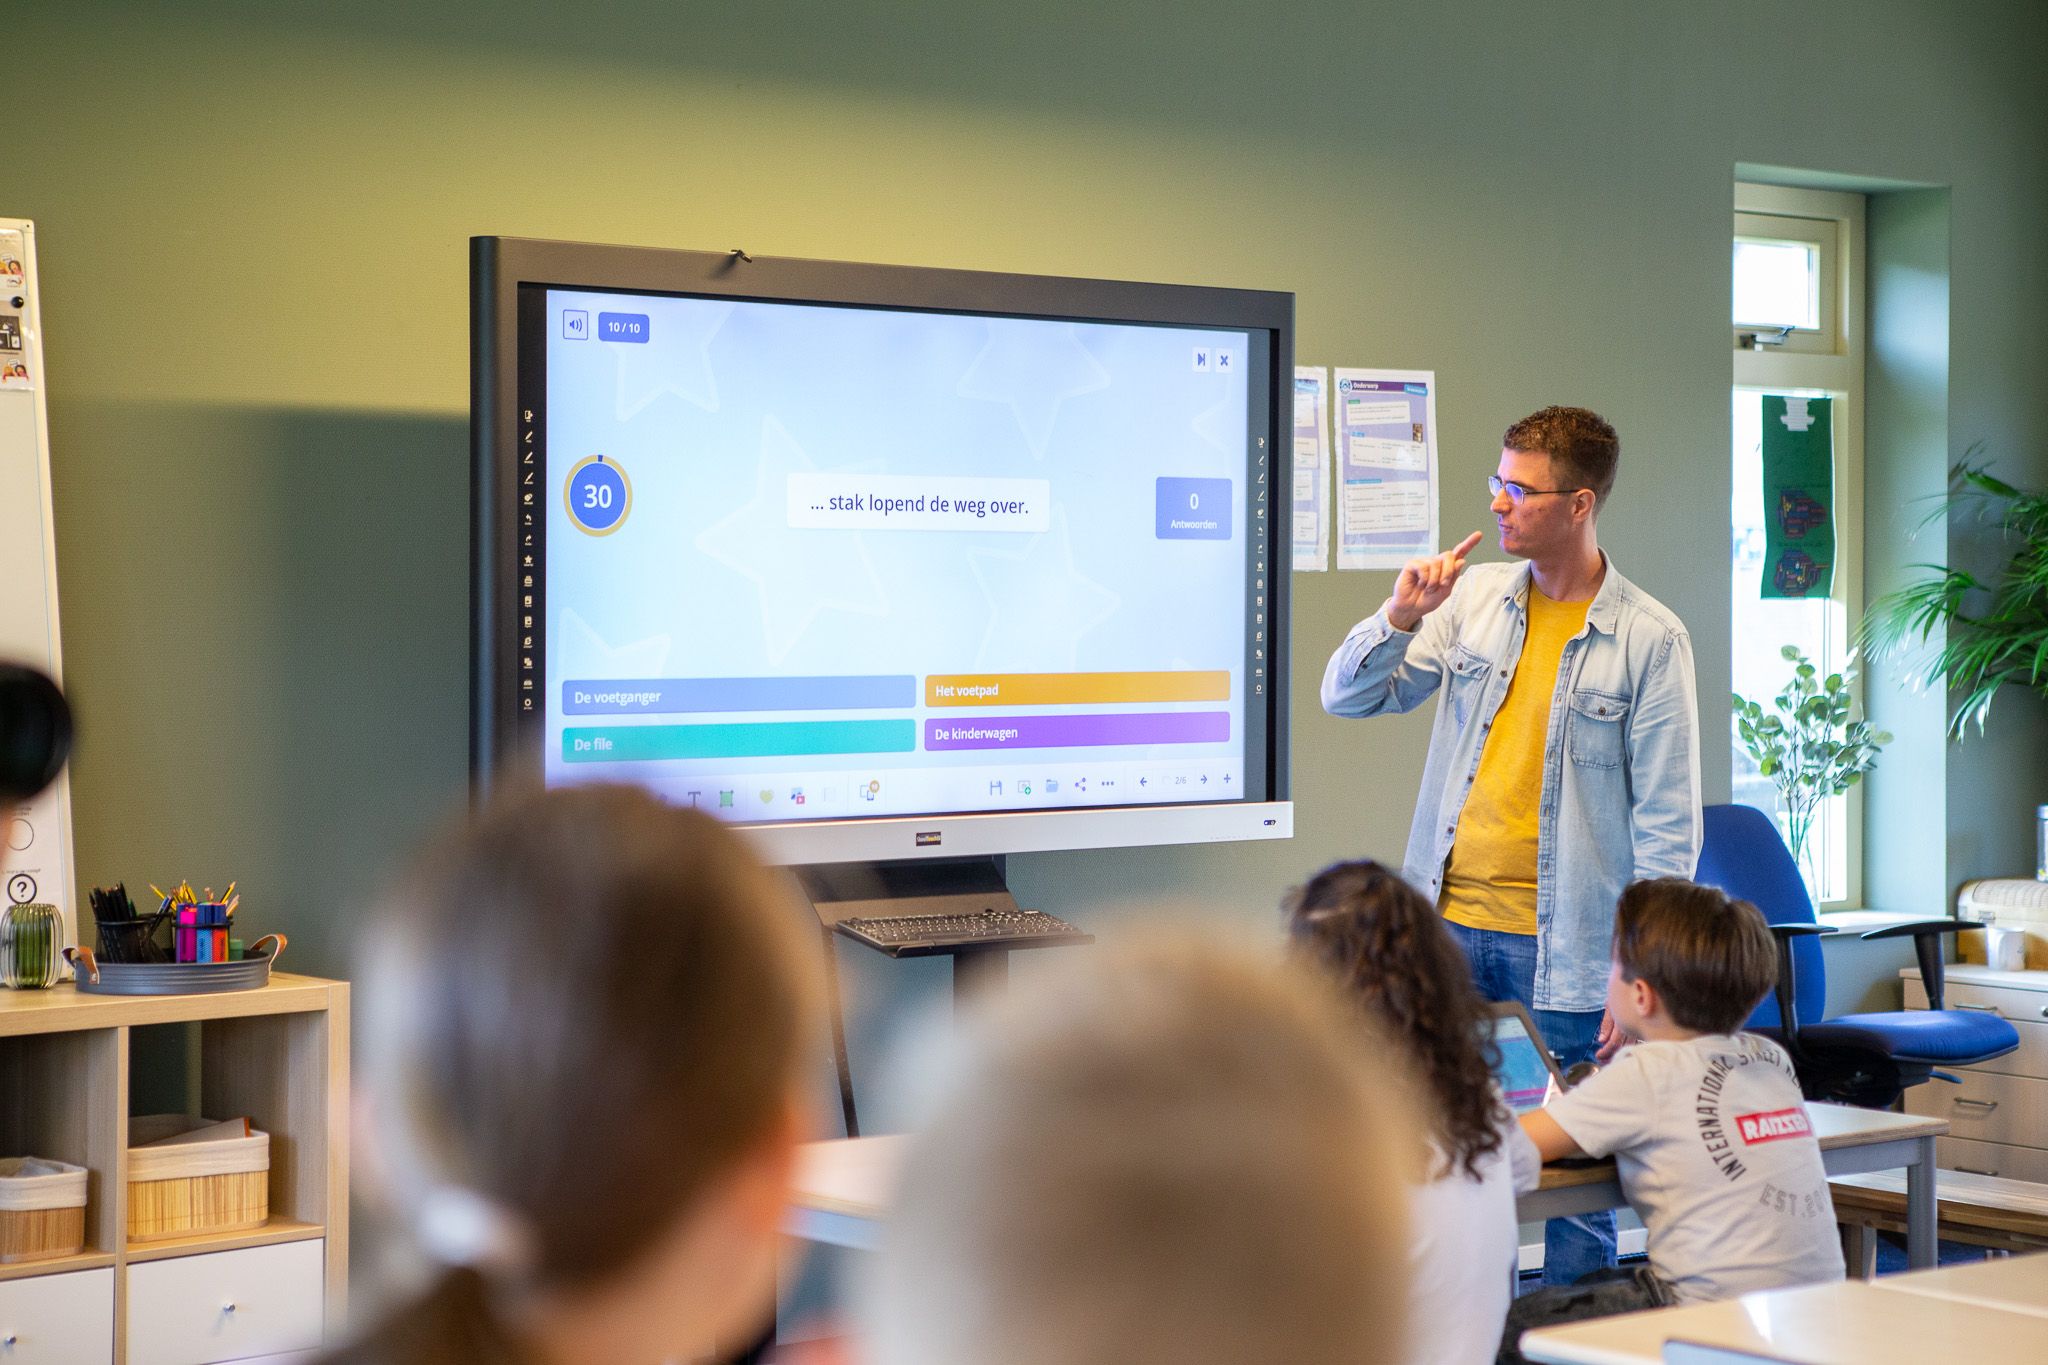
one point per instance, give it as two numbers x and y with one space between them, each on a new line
1992 1158
1987 1107
2016 1005
2022 1008
226 1305
58 1319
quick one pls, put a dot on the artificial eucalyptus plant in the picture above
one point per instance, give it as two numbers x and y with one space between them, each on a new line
1807 744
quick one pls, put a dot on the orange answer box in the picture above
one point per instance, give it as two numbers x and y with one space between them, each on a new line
1072 689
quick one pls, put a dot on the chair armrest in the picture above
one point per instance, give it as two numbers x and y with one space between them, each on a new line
1926 934
1784 993
1923 926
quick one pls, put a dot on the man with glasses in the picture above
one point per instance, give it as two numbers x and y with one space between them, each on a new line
1564 762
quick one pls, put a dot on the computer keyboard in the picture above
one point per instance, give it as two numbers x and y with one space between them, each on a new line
919 935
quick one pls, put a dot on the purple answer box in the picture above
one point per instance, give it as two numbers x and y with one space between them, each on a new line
1063 732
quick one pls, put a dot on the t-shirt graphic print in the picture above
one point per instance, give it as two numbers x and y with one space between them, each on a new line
1717 1155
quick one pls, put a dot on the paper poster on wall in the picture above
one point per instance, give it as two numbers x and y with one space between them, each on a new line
1799 496
1311 469
14 371
1386 465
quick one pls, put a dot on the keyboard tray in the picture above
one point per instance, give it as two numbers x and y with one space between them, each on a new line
939 935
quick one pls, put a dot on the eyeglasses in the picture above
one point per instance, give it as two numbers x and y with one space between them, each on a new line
1496 485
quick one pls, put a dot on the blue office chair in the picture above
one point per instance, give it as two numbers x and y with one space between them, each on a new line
1863 1059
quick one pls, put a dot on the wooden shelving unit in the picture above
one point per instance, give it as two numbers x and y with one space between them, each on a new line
278 1055
56 1265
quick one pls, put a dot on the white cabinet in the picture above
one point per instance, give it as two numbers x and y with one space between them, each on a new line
225 1305
278 1056
1998 1116
58 1319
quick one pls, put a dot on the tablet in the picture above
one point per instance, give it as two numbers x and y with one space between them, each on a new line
1701 1353
1526 1071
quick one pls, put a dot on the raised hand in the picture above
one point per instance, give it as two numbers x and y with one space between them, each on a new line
1425 584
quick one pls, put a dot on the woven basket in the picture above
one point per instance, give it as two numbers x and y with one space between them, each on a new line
190 1176
42 1209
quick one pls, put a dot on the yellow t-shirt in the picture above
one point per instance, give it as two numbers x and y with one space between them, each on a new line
1490 878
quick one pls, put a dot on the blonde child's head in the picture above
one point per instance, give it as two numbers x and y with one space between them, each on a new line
1171 1153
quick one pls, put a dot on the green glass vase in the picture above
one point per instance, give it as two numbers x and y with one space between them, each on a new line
31 946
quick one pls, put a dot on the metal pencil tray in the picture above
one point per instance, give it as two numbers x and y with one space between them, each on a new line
175 978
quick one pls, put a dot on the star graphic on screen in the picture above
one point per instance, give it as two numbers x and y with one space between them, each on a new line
675 359
1034 367
1040 604
581 654
1210 426
798 573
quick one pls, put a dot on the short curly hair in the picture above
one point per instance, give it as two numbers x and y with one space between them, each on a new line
1581 445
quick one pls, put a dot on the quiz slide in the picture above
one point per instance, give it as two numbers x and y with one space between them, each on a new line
806 561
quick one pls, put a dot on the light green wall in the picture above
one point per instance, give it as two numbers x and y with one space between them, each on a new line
1907 414
253 221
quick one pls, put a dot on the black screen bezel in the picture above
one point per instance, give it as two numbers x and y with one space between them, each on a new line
506 737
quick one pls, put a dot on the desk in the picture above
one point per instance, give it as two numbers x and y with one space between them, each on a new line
2017 1284
1851 1323
842 1190
843 1186
1852 1141
1980 1210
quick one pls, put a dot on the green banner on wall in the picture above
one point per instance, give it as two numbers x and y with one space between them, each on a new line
1799 497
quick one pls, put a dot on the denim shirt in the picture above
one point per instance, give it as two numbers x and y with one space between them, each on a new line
1621 785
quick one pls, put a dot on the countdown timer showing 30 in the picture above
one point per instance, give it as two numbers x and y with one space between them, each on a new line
598 495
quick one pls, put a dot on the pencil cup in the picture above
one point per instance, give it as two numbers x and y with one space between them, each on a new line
131 940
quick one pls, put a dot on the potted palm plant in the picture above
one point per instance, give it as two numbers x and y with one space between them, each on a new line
1993 631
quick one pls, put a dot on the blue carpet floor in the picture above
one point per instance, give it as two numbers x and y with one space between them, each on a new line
1892 1259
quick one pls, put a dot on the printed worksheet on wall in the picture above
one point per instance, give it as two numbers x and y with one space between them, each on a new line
1311 469
1386 465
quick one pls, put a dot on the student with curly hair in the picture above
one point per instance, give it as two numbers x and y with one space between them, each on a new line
1387 946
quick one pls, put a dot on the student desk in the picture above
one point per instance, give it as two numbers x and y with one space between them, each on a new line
843 1186
1855 1322
2016 1284
1851 1141
843 1190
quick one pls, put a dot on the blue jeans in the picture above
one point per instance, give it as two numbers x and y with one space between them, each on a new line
1504 968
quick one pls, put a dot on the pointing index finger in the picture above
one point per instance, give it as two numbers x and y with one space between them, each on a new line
1466 545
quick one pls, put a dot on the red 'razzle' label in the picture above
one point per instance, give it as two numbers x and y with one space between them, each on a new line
1777 1124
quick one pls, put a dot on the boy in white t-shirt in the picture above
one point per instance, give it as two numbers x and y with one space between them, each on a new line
1706 1124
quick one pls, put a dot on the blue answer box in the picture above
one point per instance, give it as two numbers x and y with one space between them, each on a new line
677 696
1193 509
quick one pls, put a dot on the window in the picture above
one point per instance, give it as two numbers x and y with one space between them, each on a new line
1787 282
1797 313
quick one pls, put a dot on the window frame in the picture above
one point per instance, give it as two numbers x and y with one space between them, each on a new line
1824 236
1830 360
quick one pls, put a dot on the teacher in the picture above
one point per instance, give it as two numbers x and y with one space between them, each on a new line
1564 762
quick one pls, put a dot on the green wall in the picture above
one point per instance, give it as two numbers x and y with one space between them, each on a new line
253 222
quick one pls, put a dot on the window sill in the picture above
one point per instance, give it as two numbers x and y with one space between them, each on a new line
1863 920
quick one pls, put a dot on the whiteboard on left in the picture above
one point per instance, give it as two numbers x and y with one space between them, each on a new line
35 839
